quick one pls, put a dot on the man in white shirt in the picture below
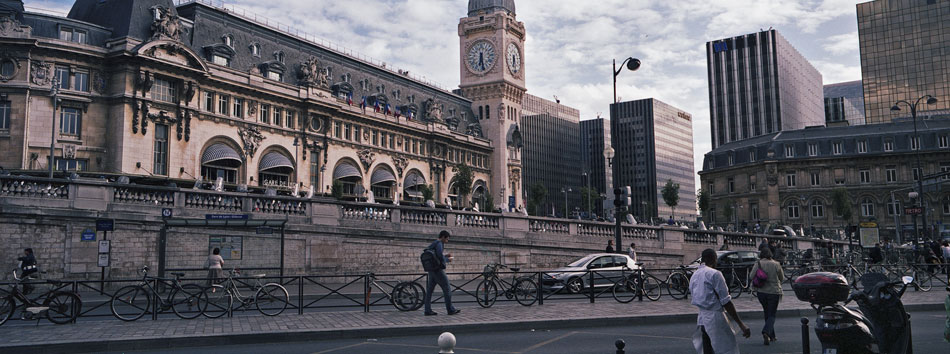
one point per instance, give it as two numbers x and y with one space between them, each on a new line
714 333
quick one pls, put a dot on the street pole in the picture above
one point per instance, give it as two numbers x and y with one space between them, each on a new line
897 222
920 170
632 64
54 93
588 195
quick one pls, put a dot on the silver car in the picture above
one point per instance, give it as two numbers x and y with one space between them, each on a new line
574 278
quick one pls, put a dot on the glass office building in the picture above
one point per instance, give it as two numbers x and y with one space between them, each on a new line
844 103
759 84
551 154
905 54
653 143
595 138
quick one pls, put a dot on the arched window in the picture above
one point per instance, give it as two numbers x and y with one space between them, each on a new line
479 196
867 207
383 184
279 55
256 50
275 170
228 40
412 187
817 209
792 210
220 160
349 177
893 207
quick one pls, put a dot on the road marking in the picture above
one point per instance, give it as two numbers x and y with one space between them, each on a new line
434 347
637 335
549 341
341 348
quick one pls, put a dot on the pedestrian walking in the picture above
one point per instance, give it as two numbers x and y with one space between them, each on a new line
715 333
215 266
632 252
769 291
946 256
437 276
610 246
778 253
27 268
876 255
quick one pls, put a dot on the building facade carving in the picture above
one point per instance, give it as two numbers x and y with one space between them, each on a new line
251 138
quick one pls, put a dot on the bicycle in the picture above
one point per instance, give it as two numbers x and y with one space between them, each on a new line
221 297
631 286
677 283
522 288
59 307
187 301
735 282
406 296
923 278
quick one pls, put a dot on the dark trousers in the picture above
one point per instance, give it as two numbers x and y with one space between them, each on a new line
707 343
438 277
770 307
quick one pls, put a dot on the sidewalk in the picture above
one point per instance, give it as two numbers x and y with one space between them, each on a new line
114 335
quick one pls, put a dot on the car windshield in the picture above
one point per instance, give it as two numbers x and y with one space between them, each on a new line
580 262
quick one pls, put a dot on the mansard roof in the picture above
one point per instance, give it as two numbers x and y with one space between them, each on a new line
475 6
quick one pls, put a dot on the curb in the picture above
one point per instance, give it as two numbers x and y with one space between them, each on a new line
397 331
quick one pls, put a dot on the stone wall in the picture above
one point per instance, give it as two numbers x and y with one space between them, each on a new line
322 236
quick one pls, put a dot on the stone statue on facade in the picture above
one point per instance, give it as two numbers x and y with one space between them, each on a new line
40 73
474 129
310 74
400 163
165 24
433 110
251 139
366 158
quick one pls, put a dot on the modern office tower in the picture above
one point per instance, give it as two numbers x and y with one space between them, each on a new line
844 104
551 154
653 144
905 54
759 84
595 138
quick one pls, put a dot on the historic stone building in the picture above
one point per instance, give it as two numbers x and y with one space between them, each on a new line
194 92
789 177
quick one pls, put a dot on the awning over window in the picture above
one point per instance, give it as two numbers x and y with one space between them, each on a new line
413 179
414 194
220 152
345 170
382 176
273 160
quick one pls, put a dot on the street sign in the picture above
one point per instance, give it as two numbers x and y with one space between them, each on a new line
166 213
868 224
870 236
104 246
105 224
226 216
511 202
88 235
104 259
913 211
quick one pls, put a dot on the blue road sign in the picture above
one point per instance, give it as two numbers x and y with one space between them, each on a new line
88 235
226 216
105 225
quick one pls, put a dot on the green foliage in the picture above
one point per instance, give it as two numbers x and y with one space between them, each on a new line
536 196
589 198
702 201
489 203
671 194
841 202
337 189
427 191
463 181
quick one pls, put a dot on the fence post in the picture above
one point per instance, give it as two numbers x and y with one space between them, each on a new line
590 284
366 292
300 295
620 344
540 288
806 342
639 287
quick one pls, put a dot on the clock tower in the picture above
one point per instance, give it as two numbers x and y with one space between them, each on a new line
492 76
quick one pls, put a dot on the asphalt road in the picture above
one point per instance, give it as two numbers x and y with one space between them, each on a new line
640 338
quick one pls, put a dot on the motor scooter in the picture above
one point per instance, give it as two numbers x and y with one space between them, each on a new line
879 325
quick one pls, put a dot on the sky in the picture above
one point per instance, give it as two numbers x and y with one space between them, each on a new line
571 43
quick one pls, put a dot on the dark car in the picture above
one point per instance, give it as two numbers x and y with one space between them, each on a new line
742 261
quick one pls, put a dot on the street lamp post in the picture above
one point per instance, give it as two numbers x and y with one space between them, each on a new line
54 93
587 194
920 171
913 196
609 154
632 64
565 190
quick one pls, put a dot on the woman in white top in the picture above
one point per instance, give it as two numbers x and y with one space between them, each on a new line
215 264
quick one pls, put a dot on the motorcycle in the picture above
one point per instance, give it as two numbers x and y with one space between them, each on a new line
879 325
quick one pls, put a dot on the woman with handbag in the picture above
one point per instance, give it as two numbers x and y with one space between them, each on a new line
767 276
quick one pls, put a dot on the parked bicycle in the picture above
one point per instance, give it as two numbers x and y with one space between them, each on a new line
637 284
270 299
57 306
737 278
405 296
677 283
131 302
522 288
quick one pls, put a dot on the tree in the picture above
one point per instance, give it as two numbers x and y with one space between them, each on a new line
589 197
671 195
702 201
489 206
536 196
426 190
337 189
841 202
462 181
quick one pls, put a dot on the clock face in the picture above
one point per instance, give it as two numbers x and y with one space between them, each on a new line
481 57
513 57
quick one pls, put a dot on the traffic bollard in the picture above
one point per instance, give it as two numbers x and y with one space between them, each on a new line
806 342
620 345
446 343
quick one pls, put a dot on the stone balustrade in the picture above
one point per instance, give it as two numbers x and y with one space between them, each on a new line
33 188
550 226
423 217
124 194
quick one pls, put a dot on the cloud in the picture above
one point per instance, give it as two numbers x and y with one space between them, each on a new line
845 43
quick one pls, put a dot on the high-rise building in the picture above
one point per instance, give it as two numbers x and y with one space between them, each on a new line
653 144
759 84
844 104
905 54
551 154
595 138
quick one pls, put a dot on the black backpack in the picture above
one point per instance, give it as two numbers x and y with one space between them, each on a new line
430 260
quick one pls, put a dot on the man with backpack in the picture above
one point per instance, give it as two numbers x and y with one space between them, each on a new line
433 261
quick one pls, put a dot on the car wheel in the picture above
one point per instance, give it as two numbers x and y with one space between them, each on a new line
575 285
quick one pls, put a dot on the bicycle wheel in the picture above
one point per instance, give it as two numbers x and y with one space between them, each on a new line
526 291
219 301
422 294
63 307
924 280
130 303
486 293
625 289
271 299
677 285
405 296
651 288
7 306
735 287
188 300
